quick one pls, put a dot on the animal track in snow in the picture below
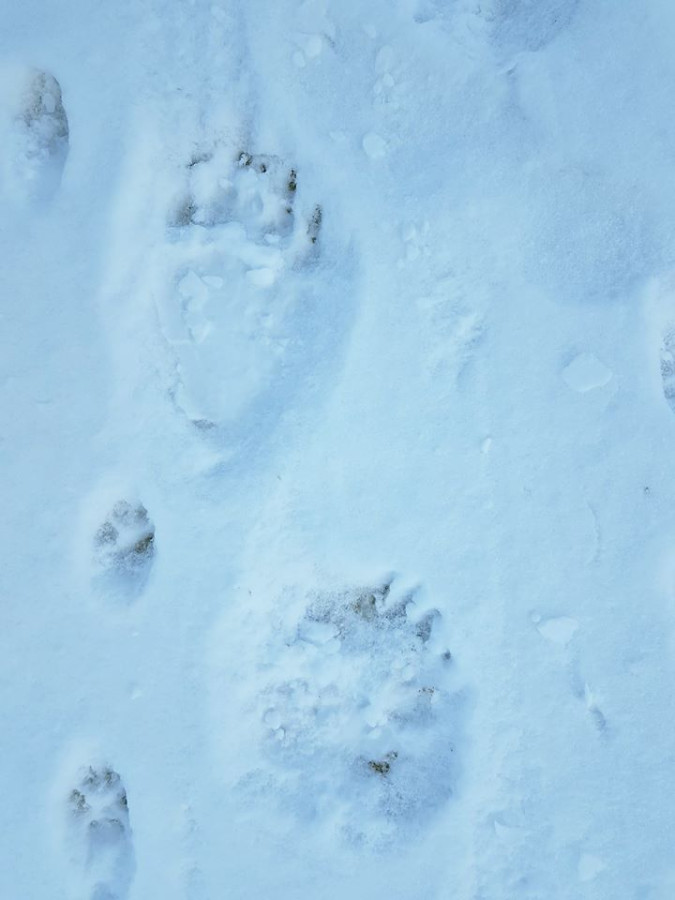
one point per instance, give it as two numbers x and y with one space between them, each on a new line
315 32
99 834
240 283
38 139
255 190
352 721
668 367
561 631
124 549
510 26
528 25
596 714
452 331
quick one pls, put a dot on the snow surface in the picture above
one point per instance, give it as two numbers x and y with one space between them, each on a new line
337 379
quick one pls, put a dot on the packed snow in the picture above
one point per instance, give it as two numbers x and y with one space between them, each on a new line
337 378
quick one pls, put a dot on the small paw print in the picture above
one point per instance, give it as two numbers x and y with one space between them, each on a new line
124 545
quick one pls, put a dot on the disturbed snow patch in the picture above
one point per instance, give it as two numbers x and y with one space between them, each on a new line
340 705
528 25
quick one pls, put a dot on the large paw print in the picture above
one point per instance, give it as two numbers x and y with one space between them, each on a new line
240 286
356 716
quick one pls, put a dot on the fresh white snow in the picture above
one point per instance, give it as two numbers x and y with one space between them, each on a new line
337 391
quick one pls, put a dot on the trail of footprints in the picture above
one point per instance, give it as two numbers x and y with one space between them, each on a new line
231 238
363 713
357 724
